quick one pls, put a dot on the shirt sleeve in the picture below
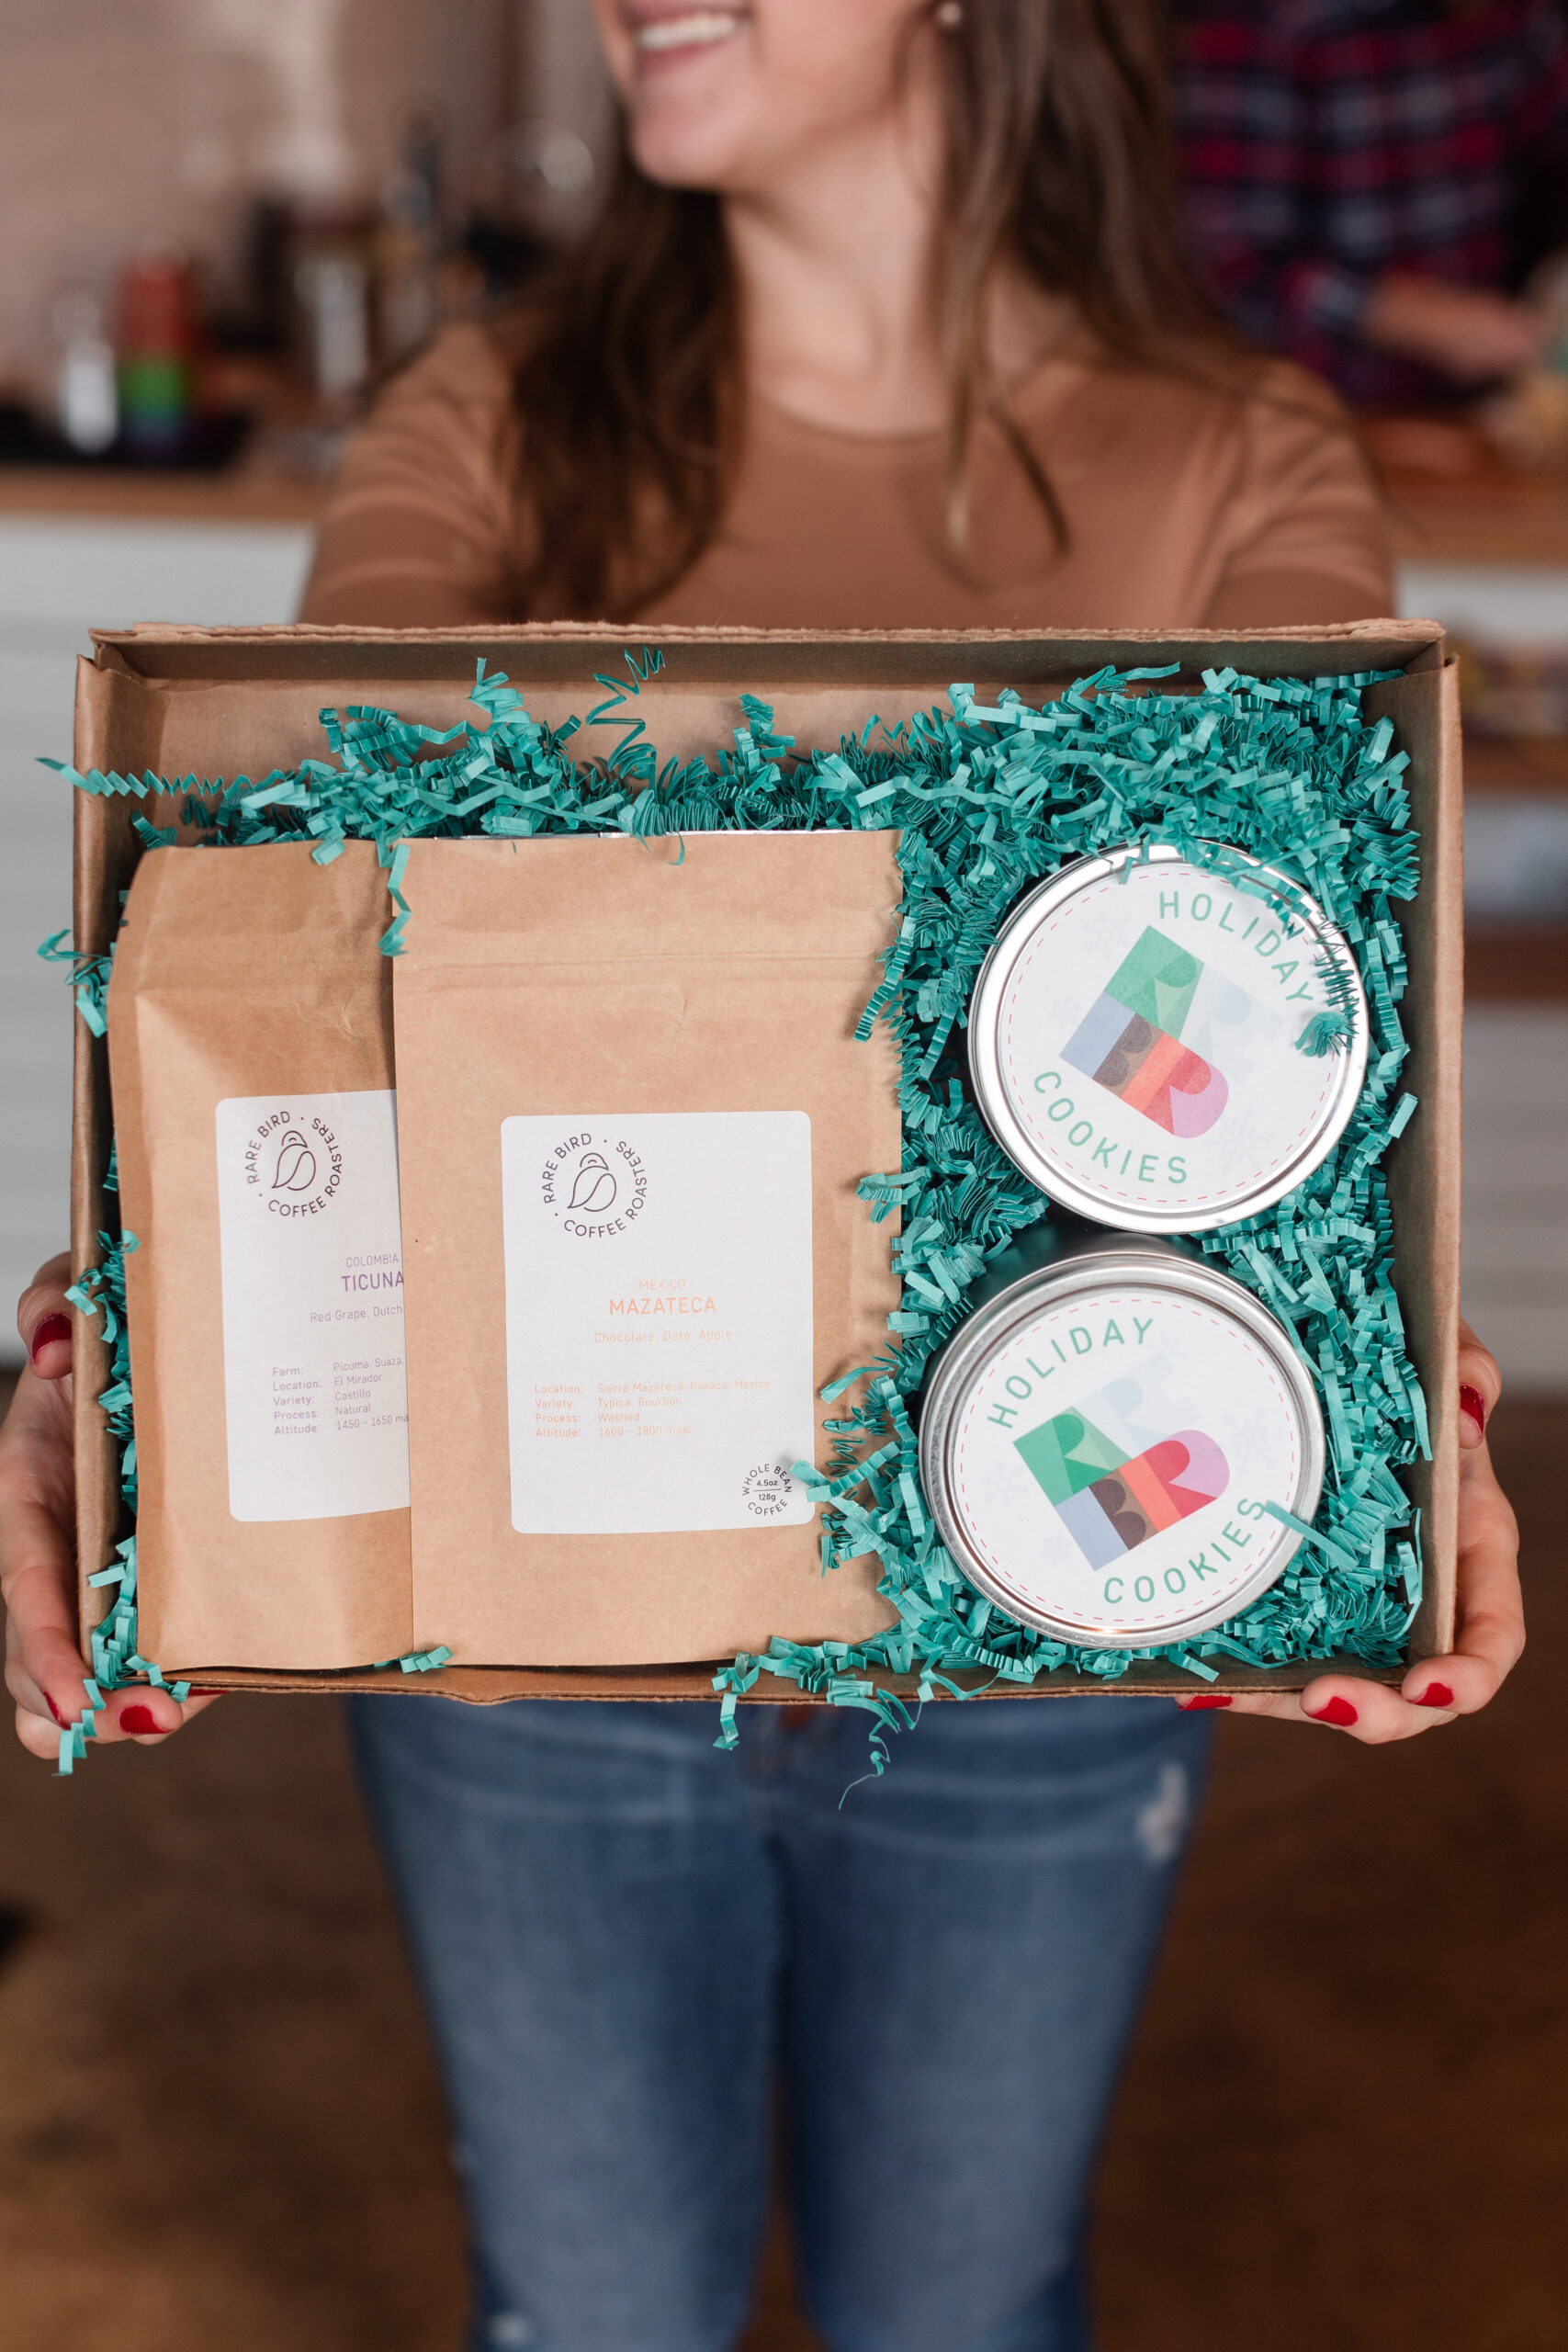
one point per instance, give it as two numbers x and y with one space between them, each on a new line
1542 131
1245 111
1307 534
420 531
1542 124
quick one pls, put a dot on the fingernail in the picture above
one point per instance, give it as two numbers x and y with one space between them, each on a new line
1337 1710
1435 1694
54 1711
54 1327
1204 1698
139 1719
1473 1402
205 1691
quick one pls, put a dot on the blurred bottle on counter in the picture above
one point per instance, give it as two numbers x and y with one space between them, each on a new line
158 341
332 291
351 288
535 189
409 244
87 393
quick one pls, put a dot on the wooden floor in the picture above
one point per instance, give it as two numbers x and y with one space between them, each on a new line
1342 2125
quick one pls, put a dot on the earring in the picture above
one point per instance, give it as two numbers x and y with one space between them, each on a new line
948 15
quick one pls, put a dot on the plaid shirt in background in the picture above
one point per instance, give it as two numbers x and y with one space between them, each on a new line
1327 140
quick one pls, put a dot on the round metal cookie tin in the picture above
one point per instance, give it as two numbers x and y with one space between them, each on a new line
1100 1440
1133 1041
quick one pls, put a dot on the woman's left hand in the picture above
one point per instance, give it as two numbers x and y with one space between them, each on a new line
1489 1622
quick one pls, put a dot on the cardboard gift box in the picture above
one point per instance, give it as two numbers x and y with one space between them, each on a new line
181 701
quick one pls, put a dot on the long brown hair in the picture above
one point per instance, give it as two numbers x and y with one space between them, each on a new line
1058 158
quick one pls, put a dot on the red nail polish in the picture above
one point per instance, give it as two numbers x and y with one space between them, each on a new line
54 1327
205 1691
54 1711
1435 1694
139 1719
1337 1710
1204 1698
1473 1402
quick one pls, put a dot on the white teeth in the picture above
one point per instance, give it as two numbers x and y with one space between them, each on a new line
701 29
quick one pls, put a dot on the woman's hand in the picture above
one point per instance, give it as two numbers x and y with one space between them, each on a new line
1489 1629
44 1668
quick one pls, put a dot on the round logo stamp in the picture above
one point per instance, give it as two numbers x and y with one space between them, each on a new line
293 1163
767 1491
594 1184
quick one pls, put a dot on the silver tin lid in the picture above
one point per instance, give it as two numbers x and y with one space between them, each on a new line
1098 1444
1133 1041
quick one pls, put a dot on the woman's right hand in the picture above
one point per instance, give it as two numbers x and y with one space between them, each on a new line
44 1668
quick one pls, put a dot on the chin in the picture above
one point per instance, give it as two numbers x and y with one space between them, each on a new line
686 148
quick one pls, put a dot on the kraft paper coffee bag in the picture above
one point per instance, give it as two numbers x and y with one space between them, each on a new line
632 1115
251 1065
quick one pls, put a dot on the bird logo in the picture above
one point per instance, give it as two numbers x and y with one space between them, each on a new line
593 1186
296 1164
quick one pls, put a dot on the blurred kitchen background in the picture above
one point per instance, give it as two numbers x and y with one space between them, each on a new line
223 221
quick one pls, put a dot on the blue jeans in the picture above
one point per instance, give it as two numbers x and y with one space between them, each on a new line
626 1939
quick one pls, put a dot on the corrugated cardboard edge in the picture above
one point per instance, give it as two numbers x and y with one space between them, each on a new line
488 1686
106 853
107 850
1426 1165
550 651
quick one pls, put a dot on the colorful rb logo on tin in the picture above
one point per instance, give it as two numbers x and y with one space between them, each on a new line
1130 1039
1109 1497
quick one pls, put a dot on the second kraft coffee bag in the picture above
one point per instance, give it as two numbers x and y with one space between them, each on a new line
251 1066
633 1115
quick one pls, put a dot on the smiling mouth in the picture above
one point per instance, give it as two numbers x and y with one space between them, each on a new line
697 29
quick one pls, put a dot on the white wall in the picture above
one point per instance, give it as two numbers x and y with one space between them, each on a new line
1516 1190
1497 604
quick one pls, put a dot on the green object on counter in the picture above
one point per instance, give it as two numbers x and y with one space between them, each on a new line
155 392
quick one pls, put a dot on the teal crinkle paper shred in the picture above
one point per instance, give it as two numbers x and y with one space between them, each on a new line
89 978
989 800
116 1659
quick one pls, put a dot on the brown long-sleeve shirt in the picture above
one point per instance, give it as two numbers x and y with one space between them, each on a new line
1187 506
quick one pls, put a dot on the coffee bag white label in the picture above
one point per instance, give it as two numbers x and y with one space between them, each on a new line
314 1390
659 1321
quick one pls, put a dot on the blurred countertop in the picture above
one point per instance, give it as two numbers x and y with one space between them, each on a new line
1450 498
250 491
1519 519
1492 517
282 473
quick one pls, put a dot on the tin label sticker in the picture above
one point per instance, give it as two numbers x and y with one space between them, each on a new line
314 1392
659 1321
1146 1040
1113 1461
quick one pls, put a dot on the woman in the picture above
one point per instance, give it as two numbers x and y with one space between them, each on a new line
883 326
